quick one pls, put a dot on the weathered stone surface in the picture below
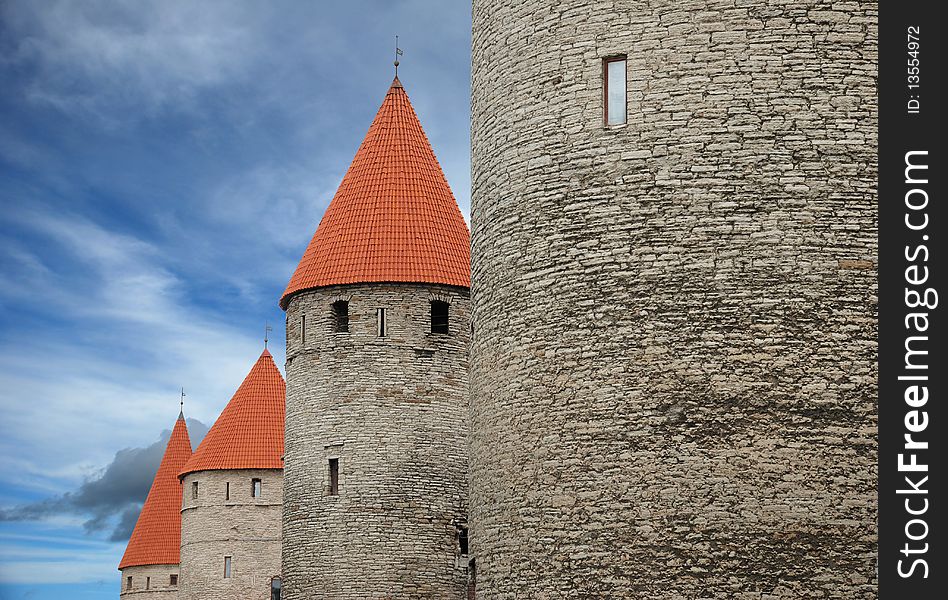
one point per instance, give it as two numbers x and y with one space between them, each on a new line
393 411
673 368
150 582
243 527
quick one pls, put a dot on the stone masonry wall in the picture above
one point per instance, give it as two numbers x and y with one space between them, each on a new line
393 411
150 582
673 368
245 528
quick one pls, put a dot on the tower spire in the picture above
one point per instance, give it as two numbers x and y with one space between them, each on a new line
181 413
398 52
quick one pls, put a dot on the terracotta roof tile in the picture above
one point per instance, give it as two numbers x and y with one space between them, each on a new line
156 539
393 218
249 432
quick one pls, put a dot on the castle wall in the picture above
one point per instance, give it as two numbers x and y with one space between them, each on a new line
150 582
392 410
673 369
245 528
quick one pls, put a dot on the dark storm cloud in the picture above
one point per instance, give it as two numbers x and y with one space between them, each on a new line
113 499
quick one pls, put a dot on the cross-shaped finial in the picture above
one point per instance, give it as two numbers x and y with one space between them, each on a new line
398 52
266 335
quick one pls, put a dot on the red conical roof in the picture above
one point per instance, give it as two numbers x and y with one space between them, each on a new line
156 539
393 218
249 432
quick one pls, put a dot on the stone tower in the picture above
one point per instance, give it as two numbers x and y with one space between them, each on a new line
673 367
150 564
232 487
377 327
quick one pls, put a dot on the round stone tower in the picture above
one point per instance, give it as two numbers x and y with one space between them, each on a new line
232 488
150 565
377 313
673 369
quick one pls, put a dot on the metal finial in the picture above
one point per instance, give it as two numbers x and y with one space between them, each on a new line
398 52
266 335
181 414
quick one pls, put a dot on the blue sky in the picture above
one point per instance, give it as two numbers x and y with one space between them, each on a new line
162 167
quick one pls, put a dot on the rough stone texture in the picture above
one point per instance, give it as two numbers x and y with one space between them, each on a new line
673 368
150 582
393 411
245 528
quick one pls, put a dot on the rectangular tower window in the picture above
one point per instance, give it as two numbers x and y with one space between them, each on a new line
462 539
303 329
227 491
340 316
128 582
381 322
226 567
174 580
333 476
439 316
194 489
255 488
614 93
148 583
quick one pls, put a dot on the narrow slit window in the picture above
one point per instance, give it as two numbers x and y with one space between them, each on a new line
227 491
128 582
174 580
340 316
226 567
303 329
148 583
255 488
614 90
462 539
194 489
381 322
333 476
276 585
439 316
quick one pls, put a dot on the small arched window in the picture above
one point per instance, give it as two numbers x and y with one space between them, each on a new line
340 316
276 585
439 316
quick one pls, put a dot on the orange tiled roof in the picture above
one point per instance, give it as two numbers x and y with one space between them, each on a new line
249 432
393 218
156 539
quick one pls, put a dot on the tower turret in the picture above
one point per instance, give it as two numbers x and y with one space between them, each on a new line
150 565
377 331
673 372
232 488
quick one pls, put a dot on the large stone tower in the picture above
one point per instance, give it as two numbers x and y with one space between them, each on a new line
150 564
232 488
673 293
377 328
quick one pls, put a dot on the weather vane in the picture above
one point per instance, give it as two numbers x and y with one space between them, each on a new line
266 335
182 400
398 52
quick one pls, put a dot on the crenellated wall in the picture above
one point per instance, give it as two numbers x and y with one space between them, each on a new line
392 411
673 367
243 527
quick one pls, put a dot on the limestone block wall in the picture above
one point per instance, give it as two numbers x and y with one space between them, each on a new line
392 411
673 367
150 582
243 527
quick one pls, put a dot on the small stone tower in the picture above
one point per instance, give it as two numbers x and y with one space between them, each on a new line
150 564
673 367
233 490
377 328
